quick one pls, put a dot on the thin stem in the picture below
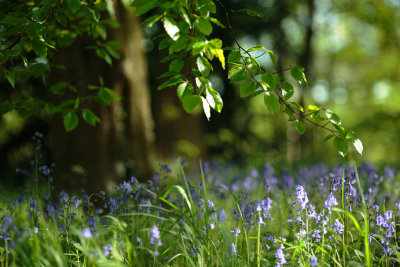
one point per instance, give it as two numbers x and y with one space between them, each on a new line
258 241
365 211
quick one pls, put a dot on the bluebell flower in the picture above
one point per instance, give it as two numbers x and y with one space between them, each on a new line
380 221
134 180
388 215
154 235
302 198
260 220
280 256
165 167
311 213
210 205
222 216
86 233
140 243
331 201
234 251
388 172
338 227
126 187
236 232
313 261
107 250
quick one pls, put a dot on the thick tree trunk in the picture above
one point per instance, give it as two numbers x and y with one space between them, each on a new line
86 157
131 78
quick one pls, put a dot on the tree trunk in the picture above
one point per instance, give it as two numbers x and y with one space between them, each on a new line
86 157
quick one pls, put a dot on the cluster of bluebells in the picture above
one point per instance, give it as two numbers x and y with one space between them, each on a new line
386 228
310 221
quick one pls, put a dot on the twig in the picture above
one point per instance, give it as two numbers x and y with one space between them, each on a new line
334 132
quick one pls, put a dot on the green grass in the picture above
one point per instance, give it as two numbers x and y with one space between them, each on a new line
193 230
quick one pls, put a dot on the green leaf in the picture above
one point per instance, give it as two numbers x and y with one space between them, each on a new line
272 56
287 91
204 26
328 137
205 7
111 22
247 88
70 120
333 117
95 13
199 47
11 20
356 142
300 126
38 69
39 47
171 28
252 64
10 77
313 108
235 57
107 95
252 13
270 79
216 22
74 5
58 88
90 117
190 102
219 53
214 99
297 105
104 55
33 30
184 89
298 74
176 65
171 82
237 73
271 102
204 66
206 108
289 113
340 145
145 7
257 47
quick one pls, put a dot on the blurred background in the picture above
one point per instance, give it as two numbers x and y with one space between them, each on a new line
350 51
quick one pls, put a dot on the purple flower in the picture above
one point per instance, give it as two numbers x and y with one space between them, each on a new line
280 256
388 215
234 251
222 215
313 261
302 198
86 233
126 187
210 205
338 227
107 250
139 241
236 232
380 221
155 235
331 201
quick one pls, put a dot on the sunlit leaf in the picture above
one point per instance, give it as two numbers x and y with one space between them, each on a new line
271 102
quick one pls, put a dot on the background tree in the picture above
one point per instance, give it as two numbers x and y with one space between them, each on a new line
242 125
